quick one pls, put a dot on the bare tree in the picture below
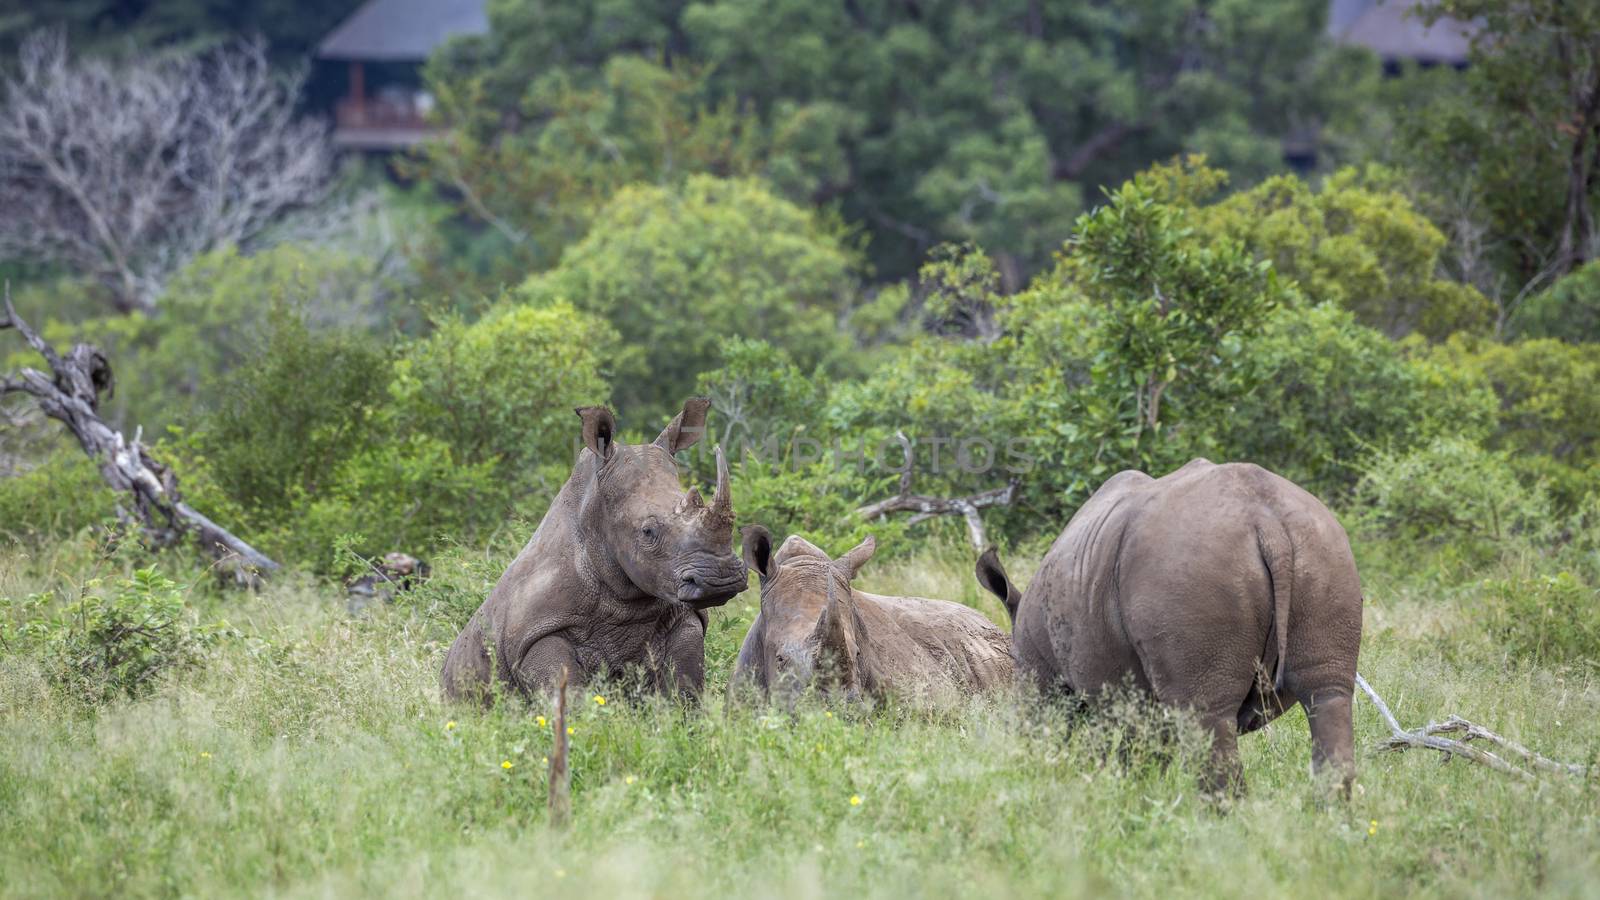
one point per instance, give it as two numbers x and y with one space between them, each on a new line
126 171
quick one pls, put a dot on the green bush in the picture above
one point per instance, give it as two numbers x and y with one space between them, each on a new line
1329 391
679 271
1568 310
1452 489
817 502
1549 417
281 422
758 393
1543 618
1359 242
213 313
500 391
114 642
62 496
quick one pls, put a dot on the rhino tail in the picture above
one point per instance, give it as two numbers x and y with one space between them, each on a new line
1278 558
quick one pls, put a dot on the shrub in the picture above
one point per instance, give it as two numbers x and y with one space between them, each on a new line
214 313
1543 618
116 642
1329 391
62 496
500 391
1359 242
1568 310
758 393
285 418
1549 417
1451 489
816 502
679 271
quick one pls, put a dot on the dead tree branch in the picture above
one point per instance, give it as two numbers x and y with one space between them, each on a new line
1428 737
70 394
925 508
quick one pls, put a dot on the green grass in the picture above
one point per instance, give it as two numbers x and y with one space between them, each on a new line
311 756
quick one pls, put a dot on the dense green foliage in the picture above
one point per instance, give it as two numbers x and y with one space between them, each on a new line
678 272
924 122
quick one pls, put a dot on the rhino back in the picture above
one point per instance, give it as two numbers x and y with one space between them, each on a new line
918 642
1069 631
1220 570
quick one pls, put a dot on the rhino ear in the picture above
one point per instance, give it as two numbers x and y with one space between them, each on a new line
992 576
686 428
757 543
599 430
851 562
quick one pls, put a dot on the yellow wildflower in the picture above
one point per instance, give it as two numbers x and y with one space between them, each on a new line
569 730
506 764
855 799
629 780
539 721
1372 828
204 755
450 725
599 700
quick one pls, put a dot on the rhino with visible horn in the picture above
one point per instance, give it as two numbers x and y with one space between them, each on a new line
617 576
1226 590
814 628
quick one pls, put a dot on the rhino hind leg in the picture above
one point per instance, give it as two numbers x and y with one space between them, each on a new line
540 667
1224 774
1328 712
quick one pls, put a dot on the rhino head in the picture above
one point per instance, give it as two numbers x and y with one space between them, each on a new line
664 541
808 631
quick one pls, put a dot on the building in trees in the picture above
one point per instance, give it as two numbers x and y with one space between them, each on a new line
383 45
1397 33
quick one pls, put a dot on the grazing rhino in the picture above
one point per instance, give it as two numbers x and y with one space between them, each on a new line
618 575
1223 589
814 627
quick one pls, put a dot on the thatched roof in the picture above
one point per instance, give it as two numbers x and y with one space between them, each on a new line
1392 30
402 30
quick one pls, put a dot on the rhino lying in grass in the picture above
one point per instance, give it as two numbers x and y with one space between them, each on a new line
617 577
814 628
1224 589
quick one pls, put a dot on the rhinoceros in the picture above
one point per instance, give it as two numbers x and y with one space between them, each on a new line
814 627
1223 589
618 575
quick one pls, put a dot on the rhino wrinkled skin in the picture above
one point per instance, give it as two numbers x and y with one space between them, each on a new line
1223 589
616 578
814 628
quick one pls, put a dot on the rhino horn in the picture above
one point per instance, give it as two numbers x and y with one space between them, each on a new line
833 633
722 500
691 501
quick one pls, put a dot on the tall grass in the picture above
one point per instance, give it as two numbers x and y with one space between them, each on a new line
311 756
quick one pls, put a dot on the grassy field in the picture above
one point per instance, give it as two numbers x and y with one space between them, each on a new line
311 756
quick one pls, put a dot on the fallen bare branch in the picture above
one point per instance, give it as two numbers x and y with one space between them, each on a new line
925 508
1428 737
71 395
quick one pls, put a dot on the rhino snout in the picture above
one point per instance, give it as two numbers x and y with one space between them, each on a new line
711 584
